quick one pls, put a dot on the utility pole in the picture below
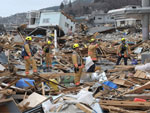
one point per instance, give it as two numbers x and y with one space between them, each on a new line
145 21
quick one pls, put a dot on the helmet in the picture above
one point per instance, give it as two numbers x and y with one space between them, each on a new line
92 40
123 39
49 42
29 38
75 45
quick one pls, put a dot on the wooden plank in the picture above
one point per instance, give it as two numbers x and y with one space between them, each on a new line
119 110
126 104
118 69
7 92
43 89
124 66
141 74
84 108
137 80
139 89
59 108
137 73
5 74
123 82
68 98
12 83
28 83
122 76
13 87
132 96
18 96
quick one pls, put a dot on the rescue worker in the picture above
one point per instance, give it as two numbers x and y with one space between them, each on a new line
27 53
78 63
47 50
92 53
123 52
52 35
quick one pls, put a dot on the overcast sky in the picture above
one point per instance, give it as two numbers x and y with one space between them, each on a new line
10 7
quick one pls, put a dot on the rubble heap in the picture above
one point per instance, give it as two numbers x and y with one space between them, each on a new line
119 89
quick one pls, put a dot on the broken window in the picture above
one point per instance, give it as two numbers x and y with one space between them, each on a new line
66 25
71 28
46 20
122 22
112 17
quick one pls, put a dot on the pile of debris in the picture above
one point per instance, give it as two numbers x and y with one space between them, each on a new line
109 89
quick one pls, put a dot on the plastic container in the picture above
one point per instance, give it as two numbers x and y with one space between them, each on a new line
54 86
139 100
21 83
54 63
134 62
110 84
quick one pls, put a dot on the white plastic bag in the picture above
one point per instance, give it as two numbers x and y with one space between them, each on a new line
147 66
95 76
88 63
138 50
140 67
102 77
85 97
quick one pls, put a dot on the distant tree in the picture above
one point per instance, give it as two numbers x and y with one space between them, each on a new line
70 4
81 7
62 6
65 2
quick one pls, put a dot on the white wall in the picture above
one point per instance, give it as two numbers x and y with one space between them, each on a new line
63 20
49 19
127 22
104 19
53 19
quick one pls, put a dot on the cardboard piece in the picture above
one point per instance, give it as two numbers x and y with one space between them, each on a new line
34 99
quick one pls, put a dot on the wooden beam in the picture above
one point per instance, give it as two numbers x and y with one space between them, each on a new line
7 92
119 110
84 108
139 89
43 89
126 104
12 83
18 96
121 68
5 74
123 82
132 96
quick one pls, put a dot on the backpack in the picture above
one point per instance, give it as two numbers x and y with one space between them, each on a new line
23 52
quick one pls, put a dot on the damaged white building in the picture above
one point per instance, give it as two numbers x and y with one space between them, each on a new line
51 19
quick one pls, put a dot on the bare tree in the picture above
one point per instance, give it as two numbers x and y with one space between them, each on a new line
65 2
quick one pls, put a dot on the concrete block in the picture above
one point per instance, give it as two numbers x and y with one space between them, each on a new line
145 57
